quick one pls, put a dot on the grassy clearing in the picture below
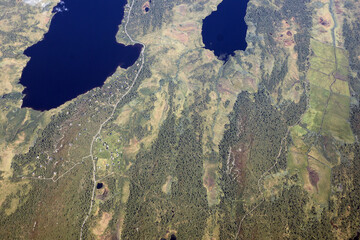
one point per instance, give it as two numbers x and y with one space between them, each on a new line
218 128
124 198
10 69
341 87
343 70
291 84
102 224
337 112
297 166
297 132
273 184
319 79
166 188
342 58
322 32
210 183
209 116
322 65
336 119
323 50
212 230
125 115
7 188
336 127
125 192
159 112
297 160
316 155
322 193
101 166
318 99
6 155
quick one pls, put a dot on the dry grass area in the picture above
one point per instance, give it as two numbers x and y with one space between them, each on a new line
166 188
124 116
212 230
273 184
10 72
124 199
322 24
320 192
102 224
7 152
10 68
210 183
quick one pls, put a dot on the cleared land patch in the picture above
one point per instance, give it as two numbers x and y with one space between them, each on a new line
329 92
327 114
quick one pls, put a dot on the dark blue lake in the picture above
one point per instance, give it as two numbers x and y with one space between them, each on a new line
224 30
77 54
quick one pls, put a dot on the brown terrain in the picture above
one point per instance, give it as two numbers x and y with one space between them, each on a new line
313 177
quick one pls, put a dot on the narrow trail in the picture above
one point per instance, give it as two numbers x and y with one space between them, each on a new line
54 178
333 35
110 117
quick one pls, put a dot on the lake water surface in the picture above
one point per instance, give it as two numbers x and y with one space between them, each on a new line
77 54
224 30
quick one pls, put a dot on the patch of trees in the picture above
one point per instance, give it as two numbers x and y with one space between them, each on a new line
283 215
177 152
345 180
13 96
138 126
265 19
293 111
159 14
299 10
351 32
59 208
302 47
253 117
268 20
276 77
355 120
262 121
43 143
130 76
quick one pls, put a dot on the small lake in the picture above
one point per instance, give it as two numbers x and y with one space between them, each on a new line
99 185
224 30
77 54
